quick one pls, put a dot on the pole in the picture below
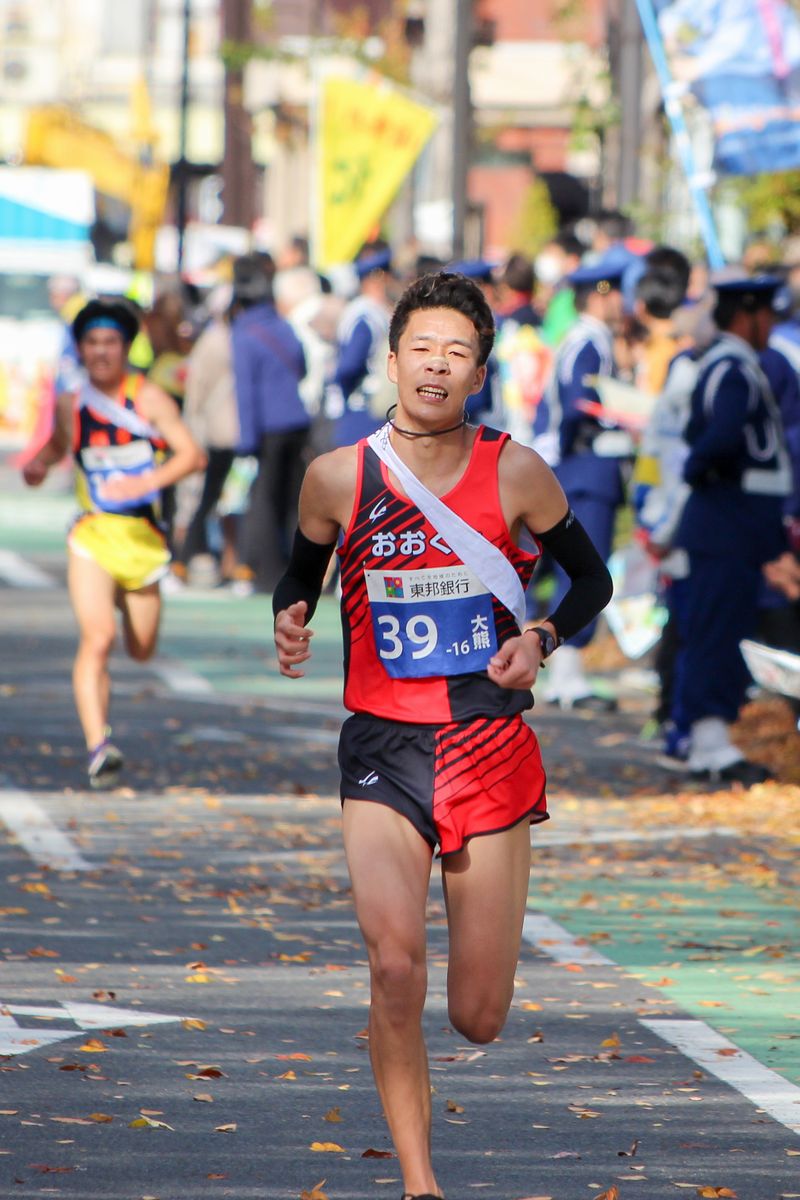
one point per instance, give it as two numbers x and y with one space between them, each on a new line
183 180
462 114
696 181
238 169
630 98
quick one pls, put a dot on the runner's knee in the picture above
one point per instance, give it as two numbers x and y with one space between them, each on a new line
399 979
138 650
480 1021
98 640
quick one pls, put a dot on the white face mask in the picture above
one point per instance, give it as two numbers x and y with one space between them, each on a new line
548 268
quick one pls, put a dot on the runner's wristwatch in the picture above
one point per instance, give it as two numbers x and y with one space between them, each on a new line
546 640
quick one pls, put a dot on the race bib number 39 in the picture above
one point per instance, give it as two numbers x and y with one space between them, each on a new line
431 622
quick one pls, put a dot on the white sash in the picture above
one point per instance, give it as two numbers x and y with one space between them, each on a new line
475 551
117 414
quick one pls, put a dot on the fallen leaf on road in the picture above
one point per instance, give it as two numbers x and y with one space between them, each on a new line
148 1123
204 1097
333 1115
93 1046
370 1153
611 1193
613 1042
193 1023
327 1147
101 1118
713 1193
229 1128
453 1107
530 1006
315 1193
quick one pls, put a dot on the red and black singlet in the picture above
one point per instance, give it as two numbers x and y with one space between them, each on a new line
390 542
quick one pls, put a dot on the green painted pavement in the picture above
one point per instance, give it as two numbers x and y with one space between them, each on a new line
725 950
228 641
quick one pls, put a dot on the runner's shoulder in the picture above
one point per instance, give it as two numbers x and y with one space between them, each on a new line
519 464
335 472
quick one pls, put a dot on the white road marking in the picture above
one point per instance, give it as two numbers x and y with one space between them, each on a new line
21 1039
558 943
30 825
757 1083
180 679
558 837
327 736
20 573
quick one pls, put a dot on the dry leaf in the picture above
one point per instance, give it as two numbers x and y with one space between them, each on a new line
716 1193
530 1006
370 1153
327 1147
612 1042
333 1115
93 1046
611 1193
453 1107
148 1123
204 1097
316 1193
230 1128
100 1118
193 1023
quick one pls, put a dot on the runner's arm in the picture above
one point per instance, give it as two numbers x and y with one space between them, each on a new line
532 496
161 411
35 471
323 502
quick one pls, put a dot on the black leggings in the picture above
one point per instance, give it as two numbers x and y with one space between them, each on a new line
196 542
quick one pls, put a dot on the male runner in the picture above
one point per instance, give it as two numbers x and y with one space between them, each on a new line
118 428
436 675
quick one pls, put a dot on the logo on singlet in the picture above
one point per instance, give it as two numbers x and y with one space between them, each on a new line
378 510
368 780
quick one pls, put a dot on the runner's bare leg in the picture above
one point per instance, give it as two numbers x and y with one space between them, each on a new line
486 890
389 864
91 591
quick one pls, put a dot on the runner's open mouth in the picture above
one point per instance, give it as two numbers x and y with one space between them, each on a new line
435 393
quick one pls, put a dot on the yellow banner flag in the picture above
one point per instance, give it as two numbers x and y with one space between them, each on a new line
370 137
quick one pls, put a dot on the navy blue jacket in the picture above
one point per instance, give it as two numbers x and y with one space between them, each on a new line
737 466
268 364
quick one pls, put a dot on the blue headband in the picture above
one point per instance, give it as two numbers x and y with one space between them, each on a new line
104 323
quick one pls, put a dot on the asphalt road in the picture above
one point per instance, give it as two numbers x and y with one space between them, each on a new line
183 990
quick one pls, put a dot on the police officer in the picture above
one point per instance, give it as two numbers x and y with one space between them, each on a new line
739 473
587 453
358 395
487 404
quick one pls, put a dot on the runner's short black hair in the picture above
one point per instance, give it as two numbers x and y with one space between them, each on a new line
112 314
445 289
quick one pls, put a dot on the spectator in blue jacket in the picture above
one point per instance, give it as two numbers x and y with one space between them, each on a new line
268 365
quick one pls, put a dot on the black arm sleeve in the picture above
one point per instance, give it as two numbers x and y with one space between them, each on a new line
591 590
304 575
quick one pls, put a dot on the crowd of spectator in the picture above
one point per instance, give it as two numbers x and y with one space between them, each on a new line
667 402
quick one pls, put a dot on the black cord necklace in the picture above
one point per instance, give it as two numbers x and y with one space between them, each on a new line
413 433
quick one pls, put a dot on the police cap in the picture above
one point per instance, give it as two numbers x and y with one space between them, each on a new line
748 292
473 268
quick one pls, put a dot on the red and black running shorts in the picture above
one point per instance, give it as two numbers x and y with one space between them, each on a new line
453 781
